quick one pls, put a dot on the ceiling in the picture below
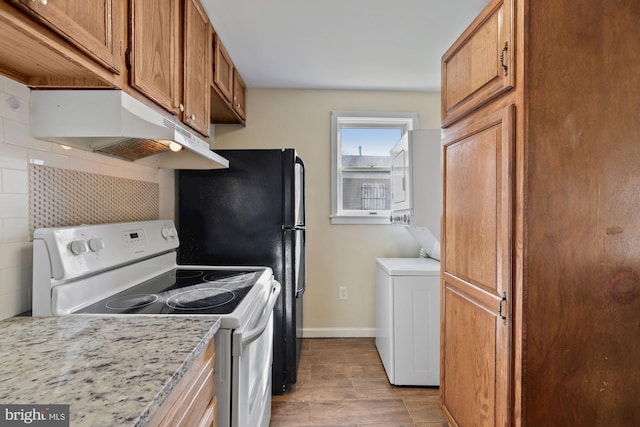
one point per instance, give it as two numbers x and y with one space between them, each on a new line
340 44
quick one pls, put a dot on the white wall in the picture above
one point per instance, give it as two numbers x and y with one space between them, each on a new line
337 255
17 150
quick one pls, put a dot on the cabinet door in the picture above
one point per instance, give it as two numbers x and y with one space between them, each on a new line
222 69
155 51
239 89
476 269
93 26
478 67
416 330
197 71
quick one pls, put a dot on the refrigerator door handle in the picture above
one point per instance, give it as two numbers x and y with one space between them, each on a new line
304 285
299 161
296 257
303 264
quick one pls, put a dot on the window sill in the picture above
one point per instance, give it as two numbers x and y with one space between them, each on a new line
360 219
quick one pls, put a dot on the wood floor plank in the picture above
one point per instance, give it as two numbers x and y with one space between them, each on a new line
358 412
342 383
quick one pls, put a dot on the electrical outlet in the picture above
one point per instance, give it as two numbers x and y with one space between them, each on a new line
343 292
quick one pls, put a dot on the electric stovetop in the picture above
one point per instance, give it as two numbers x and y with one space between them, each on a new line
182 291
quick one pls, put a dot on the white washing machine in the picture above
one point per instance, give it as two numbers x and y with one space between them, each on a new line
408 319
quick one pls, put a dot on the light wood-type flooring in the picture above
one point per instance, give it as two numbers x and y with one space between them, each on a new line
341 382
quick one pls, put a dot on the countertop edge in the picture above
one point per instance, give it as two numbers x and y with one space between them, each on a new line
143 419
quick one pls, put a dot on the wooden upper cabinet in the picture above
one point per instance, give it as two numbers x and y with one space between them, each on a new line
479 65
93 26
222 69
478 168
155 56
197 70
228 102
239 90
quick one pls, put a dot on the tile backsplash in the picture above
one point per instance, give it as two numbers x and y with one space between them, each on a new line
22 155
59 197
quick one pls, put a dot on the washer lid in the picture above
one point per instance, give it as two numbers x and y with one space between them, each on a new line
409 266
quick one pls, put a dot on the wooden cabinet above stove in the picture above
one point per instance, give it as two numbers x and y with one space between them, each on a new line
46 46
72 45
227 88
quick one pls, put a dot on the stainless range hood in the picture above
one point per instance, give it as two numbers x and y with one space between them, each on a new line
113 123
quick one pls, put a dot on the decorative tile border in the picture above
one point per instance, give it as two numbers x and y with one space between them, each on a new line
60 197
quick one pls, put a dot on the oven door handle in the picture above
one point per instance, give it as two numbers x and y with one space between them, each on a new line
254 333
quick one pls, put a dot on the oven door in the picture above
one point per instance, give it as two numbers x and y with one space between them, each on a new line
251 367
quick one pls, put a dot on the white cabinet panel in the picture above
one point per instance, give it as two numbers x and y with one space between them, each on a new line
408 319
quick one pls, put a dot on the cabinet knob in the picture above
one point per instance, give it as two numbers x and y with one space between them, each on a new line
181 107
237 105
192 117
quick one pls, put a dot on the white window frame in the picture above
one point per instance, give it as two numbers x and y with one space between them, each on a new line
343 119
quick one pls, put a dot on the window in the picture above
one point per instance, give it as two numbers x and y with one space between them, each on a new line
361 166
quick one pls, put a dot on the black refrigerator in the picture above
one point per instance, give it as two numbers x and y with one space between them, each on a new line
252 214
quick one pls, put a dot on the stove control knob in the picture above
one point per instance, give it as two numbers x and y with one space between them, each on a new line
168 233
96 244
78 247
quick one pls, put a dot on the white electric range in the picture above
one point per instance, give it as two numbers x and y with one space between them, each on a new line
130 268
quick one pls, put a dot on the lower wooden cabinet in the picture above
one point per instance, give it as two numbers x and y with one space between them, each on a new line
192 402
210 418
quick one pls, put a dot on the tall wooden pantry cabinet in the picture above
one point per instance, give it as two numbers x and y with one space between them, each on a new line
540 268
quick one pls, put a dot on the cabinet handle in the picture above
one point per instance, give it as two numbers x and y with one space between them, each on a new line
504 50
181 107
192 117
502 314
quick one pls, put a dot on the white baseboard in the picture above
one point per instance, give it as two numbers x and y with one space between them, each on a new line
338 332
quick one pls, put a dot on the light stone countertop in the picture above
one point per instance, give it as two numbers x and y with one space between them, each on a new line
112 371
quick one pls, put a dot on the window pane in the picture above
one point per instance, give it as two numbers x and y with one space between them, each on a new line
366 149
360 163
362 141
366 190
